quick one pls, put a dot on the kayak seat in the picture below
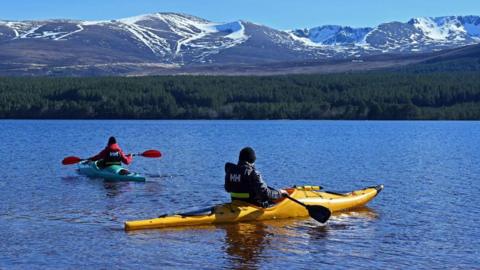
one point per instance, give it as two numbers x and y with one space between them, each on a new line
123 172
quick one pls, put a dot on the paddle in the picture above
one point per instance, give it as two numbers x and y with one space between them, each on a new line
148 154
71 160
317 212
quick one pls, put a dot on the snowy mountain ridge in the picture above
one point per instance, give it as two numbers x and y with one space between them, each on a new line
423 29
176 40
145 29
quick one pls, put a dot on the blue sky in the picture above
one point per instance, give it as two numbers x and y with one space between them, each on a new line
280 14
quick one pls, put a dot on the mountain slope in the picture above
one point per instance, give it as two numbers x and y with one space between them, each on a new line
176 43
455 60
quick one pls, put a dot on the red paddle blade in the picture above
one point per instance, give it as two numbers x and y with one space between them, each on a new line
71 160
151 154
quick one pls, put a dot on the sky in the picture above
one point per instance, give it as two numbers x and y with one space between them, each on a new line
280 14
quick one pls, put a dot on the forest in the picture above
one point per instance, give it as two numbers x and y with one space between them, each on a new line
359 96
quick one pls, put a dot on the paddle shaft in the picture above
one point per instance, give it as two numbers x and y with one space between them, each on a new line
295 200
288 196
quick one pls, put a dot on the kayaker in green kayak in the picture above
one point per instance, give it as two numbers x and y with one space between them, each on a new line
245 183
111 155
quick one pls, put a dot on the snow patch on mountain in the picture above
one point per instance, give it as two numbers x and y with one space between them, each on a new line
438 29
11 25
19 28
334 34
192 29
30 33
33 30
90 23
57 34
156 44
136 19
304 40
80 28
224 36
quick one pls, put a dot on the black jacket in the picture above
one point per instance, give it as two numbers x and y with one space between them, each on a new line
245 179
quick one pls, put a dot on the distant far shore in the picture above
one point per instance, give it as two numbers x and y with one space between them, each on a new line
356 96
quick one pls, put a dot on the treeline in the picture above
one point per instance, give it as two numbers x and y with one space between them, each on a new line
338 96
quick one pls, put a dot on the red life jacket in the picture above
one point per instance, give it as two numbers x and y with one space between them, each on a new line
113 155
112 158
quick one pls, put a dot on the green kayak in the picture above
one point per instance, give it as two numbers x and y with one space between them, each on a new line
110 173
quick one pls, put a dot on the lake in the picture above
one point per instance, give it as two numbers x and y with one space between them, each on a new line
426 217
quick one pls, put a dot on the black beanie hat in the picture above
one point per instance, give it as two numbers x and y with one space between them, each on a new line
247 154
112 140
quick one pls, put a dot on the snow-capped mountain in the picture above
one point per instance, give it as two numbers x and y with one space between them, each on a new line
417 35
165 36
159 41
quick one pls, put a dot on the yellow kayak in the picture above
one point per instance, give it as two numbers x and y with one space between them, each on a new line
239 211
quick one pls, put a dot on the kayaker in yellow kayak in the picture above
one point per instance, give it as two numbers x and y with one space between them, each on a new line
245 183
111 155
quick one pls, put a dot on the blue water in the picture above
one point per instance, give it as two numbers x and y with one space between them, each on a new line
427 217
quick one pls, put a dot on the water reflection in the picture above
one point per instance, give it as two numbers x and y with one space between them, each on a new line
251 245
346 219
115 188
245 243
361 212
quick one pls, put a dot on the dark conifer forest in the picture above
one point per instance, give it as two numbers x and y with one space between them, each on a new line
371 95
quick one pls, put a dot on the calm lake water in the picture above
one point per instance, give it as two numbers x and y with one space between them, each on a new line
427 217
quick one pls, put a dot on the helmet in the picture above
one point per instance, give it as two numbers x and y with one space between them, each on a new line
112 140
247 154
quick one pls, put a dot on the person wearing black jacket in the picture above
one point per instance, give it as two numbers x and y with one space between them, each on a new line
245 183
